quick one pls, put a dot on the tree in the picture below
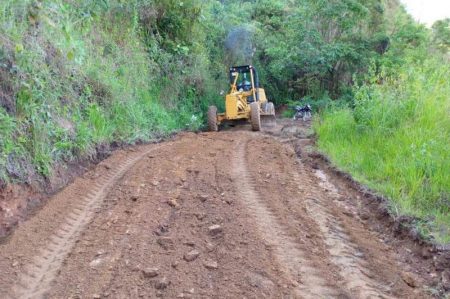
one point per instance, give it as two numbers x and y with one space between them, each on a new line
441 35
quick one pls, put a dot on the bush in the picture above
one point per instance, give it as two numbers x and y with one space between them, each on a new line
396 141
85 73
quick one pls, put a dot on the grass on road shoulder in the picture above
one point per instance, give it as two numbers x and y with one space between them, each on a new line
396 141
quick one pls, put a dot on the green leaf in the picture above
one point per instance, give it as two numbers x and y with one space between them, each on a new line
70 55
19 48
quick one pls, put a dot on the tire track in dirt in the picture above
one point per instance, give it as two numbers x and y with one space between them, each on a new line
294 263
35 280
343 252
127 228
287 232
364 261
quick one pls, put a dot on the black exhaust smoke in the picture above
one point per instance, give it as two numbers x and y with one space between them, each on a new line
239 45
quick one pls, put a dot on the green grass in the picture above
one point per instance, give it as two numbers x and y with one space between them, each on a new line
88 74
396 141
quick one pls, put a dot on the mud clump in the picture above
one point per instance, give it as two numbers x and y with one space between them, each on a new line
162 284
166 243
215 230
191 255
211 265
150 272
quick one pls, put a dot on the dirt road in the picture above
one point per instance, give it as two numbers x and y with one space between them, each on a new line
233 214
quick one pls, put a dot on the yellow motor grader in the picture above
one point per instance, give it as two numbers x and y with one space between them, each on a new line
245 101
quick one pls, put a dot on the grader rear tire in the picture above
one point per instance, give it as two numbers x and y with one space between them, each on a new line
212 119
255 116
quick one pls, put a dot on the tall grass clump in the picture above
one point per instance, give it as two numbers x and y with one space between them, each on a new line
79 75
396 141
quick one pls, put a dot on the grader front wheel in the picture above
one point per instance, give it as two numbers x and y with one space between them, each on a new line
212 119
255 117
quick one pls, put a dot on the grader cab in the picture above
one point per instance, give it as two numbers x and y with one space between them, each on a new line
246 100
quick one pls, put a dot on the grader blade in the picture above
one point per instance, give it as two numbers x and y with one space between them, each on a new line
268 117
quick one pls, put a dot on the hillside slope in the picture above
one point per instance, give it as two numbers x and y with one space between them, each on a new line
79 75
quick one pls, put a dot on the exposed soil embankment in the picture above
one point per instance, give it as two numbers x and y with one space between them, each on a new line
19 200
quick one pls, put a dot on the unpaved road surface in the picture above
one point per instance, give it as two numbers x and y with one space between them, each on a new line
233 214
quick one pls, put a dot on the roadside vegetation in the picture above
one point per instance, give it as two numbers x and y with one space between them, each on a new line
394 134
395 140
79 76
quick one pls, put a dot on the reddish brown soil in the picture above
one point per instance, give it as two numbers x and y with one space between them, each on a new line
18 201
233 214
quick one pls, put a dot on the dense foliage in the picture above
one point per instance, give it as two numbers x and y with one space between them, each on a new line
394 134
77 75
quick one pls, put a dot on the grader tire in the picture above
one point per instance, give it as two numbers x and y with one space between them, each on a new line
255 116
212 119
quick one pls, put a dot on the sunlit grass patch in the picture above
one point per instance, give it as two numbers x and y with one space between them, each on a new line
396 142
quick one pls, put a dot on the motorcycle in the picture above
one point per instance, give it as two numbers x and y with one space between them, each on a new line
302 112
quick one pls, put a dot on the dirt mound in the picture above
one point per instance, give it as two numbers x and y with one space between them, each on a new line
211 215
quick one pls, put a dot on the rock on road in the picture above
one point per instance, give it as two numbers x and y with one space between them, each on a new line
233 214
